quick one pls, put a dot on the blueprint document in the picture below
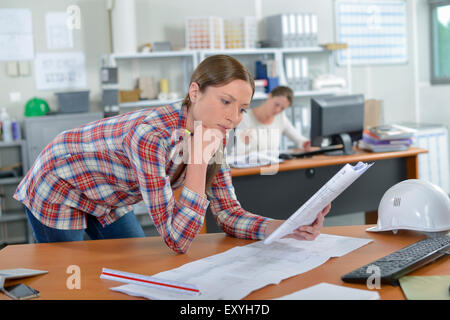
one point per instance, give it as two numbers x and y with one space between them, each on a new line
237 272
308 212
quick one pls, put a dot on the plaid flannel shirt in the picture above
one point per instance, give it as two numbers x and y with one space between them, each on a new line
104 167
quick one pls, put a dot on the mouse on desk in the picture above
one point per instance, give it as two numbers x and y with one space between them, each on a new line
285 156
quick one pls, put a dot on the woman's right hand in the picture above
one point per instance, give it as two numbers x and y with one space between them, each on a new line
204 144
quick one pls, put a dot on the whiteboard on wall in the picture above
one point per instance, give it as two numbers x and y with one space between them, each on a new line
60 70
16 35
59 35
375 32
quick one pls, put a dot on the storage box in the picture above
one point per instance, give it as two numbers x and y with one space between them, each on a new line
204 33
148 88
373 111
290 30
129 95
241 32
73 101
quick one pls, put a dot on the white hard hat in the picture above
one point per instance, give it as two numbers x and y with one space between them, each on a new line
414 205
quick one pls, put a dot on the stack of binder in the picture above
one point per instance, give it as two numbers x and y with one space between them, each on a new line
386 138
267 70
297 73
290 30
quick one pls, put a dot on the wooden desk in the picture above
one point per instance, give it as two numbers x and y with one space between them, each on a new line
295 181
324 160
150 256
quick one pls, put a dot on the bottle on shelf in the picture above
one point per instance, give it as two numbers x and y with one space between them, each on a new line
6 126
15 129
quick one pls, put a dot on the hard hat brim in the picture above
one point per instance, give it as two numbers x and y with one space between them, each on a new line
378 229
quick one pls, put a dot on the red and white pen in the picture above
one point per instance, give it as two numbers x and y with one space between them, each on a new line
148 281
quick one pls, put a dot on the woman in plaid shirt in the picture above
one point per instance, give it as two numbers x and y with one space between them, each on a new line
88 178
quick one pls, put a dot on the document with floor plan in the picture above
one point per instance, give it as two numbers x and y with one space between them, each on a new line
308 212
235 273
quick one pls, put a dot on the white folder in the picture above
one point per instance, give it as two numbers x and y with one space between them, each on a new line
300 31
290 72
297 74
292 31
285 29
307 24
305 74
314 29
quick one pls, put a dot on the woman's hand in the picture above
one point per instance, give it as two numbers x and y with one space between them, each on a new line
204 143
304 232
307 146
202 146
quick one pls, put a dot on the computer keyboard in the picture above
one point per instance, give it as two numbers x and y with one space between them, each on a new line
401 262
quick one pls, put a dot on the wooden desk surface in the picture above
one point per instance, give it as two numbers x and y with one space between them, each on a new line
324 160
150 255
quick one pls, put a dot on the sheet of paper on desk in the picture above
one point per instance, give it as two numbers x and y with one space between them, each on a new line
237 272
328 291
325 244
308 212
253 159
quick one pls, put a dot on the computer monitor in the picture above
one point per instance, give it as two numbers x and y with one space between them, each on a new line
339 118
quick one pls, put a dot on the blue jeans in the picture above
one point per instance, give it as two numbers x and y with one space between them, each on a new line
126 227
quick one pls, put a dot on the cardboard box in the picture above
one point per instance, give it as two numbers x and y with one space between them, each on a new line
373 113
129 95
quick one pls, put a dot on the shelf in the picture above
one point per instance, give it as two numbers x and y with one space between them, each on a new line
10 180
15 143
303 50
314 93
148 103
13 215
12 241
160 54
261 51
257 96
309 93
199 54
238 51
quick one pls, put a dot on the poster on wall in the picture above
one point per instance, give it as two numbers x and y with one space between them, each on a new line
60 71
16 35
375 32
59 35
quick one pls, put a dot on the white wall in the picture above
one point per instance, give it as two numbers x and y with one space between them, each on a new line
159 20
91 39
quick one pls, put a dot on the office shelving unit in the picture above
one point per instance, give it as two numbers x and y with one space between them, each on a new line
13 220
187 60
191 58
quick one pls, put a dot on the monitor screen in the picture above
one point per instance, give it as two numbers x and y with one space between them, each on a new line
337 118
